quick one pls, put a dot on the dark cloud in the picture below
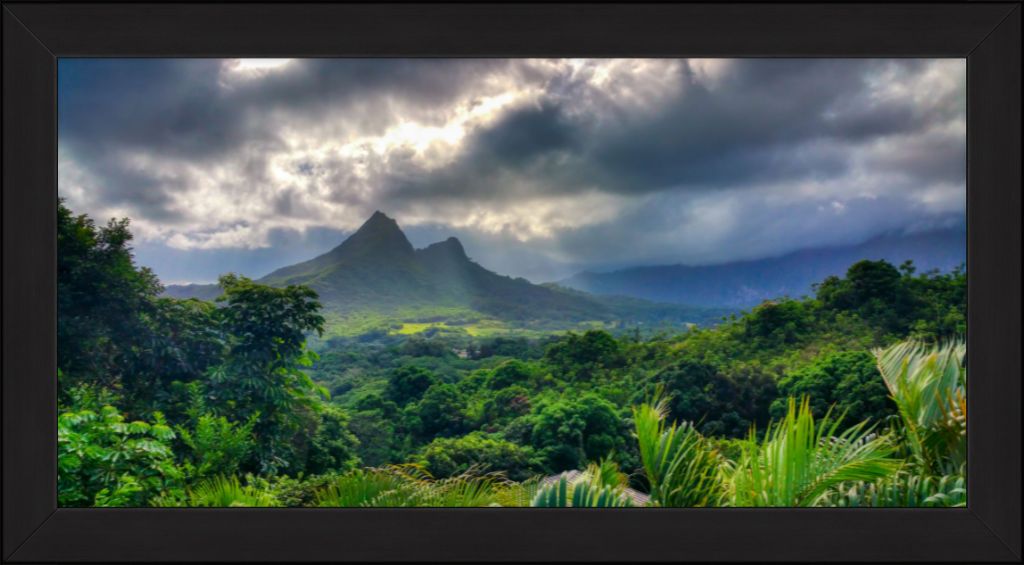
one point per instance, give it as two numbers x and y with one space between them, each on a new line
540 166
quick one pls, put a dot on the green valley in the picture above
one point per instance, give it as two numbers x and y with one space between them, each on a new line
375 281
851 397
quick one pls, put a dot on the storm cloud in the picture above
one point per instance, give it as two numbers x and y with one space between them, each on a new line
541 167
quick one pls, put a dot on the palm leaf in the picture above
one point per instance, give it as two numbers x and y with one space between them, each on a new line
681 467
800 461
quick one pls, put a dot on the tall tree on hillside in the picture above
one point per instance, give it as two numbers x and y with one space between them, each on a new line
102 298
263 371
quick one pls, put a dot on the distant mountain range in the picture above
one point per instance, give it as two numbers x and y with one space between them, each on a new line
747 283
376 272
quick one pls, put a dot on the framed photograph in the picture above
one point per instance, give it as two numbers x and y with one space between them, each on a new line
511 282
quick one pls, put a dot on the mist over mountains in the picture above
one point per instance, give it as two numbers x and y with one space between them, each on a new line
743 284
377 272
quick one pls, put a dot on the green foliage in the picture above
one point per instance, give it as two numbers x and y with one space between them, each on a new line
216 445
102 300
446 457
929 386
848 381
408 486
799 462
166 401
222 492
441 412
509 373
570 432
679 465
779 323
368 487
582 357
408 384
262 373
931 305
584 494
506 404
378 428
104 460
716 403
903 490
872 289
333 447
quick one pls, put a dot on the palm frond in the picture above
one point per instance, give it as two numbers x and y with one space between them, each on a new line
928 383
800 461
903 490
583 494
681 467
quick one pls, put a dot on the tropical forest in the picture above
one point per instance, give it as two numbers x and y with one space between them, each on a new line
381 375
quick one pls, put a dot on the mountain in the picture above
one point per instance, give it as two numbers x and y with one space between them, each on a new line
376 274
746 283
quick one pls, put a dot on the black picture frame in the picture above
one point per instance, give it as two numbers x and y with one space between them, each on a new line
36 34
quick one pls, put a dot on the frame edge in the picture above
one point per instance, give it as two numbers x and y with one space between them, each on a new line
994 182
996 60
29 78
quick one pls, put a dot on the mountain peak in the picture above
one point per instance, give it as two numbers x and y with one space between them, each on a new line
450 248
454 245
378 220
378 236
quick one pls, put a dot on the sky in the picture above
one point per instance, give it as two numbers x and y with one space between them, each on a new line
541 167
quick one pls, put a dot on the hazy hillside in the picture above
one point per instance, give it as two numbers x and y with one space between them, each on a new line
376 276
747 283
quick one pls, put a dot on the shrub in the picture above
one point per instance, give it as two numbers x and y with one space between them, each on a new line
103 460
446 457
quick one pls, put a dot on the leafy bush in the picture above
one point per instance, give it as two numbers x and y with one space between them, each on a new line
104 460
446 457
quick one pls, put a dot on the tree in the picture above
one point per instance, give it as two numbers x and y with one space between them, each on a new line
441 411
848 381
262 373
570 433
778 323
581 357
102 299
507 403
511 372
875 290
447 457
182 342
715 403
333 447
380 438
408 383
